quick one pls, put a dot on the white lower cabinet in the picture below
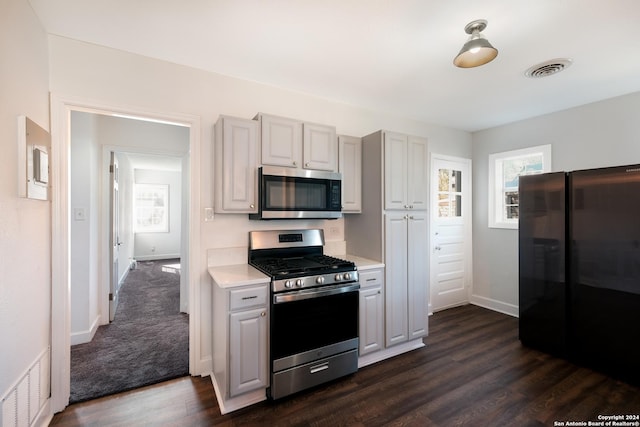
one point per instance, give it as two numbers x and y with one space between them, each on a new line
240 334
371 311
406 277
247 351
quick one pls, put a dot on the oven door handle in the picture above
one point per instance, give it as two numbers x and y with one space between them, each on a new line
315 293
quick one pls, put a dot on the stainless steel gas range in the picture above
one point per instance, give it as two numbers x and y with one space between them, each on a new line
314 309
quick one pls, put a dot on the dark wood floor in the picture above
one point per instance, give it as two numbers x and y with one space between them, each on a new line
473 371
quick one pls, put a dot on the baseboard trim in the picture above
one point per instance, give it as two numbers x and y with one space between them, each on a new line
45 416
239 402
205 365
156 257
379 356
495 305
85 336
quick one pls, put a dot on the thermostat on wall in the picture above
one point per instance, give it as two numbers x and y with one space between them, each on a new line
34 144
40 166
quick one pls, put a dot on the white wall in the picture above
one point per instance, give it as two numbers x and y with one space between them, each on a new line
96 73
149 246
25 225
602 134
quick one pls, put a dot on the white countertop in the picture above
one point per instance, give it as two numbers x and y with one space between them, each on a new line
229 276
362 263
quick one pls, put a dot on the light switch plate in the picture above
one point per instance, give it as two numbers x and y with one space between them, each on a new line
208 214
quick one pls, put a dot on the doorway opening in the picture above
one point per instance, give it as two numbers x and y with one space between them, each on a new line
134 194
65 214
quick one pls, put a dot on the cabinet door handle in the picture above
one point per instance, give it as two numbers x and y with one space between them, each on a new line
307 164
295 163
252 206
264 313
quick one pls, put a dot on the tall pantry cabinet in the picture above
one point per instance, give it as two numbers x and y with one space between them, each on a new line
394 202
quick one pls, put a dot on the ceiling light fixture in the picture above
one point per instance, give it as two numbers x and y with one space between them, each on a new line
477 50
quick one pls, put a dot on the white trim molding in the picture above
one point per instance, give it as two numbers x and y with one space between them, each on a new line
496 180
495 305
61 108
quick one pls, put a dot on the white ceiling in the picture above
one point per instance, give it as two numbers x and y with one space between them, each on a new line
153 162
393 56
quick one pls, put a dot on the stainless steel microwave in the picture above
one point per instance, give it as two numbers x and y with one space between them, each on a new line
285 193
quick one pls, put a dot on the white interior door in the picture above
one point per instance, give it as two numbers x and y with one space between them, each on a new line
450 231
114 239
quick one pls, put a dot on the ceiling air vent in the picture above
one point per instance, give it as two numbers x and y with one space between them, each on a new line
548 68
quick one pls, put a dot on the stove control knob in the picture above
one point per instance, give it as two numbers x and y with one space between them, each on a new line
347 276
299 283
319 280
338 277
288 284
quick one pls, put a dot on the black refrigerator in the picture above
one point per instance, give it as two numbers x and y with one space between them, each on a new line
579 267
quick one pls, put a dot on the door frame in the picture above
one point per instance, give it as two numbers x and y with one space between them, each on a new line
61 108
114 234
467 213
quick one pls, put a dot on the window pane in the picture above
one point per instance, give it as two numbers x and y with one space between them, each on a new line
151 208
456 181
443 180
511 212
505 170
511 198
444 210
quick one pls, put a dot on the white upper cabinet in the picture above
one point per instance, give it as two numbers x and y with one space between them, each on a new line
350 166
296 144
395 171
417 177
405 159
281 141
320 150
236 160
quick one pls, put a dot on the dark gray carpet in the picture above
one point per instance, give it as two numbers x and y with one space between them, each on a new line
148 342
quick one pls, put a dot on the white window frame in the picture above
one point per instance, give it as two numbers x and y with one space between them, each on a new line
496 200
162 227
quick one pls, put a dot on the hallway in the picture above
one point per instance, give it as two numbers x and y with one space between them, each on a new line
148 341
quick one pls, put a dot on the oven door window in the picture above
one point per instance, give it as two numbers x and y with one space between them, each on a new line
287 193
304 325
